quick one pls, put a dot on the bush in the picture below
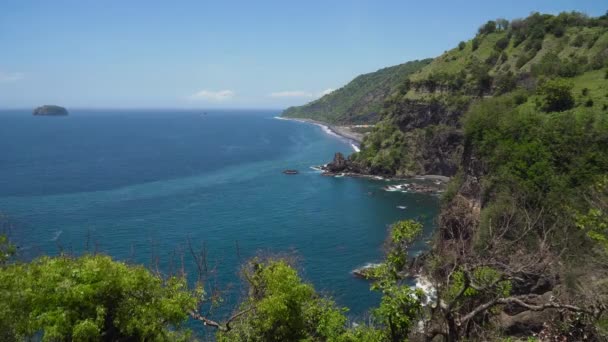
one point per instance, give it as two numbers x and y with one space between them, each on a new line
557 95
65 299
589 103
578 40
504 82
489 27
492 58
585 91
462 45
501 44
523 59
475 44
503 57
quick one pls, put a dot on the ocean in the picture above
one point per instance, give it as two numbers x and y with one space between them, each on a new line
140 184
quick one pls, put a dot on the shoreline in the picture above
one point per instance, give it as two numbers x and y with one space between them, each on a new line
353 138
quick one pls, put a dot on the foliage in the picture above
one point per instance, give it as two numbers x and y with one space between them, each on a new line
595 220
360 101
284 308
383 151
400 304
7 249
557 95
90 298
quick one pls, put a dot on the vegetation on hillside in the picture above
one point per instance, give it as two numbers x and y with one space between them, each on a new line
521 56
360 101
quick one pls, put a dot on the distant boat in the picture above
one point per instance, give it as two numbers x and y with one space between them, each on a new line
290 172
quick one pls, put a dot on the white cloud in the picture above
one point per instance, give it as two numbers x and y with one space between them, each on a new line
327 91
301 93
291 93
10 76
221 95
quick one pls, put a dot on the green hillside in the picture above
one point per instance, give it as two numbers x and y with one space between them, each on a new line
361 100
504 57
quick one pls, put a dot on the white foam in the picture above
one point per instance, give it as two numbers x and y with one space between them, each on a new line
56 235
402 207
427 287
355 148
397 187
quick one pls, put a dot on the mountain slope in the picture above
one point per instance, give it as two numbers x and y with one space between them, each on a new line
420 131
519 117
360 100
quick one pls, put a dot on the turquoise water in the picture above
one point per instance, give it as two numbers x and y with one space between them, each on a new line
139 184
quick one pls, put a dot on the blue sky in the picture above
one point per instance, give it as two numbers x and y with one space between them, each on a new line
224 54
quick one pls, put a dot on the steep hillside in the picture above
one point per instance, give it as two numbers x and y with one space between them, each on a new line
360 101
421 130
519 117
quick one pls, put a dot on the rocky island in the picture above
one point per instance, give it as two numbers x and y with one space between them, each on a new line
50 110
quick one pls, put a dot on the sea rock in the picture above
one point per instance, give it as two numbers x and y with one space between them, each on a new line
290 172
50 110
339 163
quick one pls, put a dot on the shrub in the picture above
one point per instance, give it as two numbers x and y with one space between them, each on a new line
504 82
475 44
589 103
492 58
578 40
585 91
523 59
501 44
489 27
462 45
557 95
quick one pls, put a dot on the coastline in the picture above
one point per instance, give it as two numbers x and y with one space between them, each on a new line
339 131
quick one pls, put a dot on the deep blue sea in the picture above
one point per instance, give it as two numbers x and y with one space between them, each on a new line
140 184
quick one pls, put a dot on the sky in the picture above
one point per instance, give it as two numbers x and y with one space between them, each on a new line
224 54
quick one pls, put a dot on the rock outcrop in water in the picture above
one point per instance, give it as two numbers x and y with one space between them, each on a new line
50 110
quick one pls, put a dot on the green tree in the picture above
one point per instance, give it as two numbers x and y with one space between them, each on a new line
281 307
557 95
90 298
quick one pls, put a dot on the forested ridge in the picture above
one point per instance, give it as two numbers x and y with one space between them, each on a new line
361 100
517 116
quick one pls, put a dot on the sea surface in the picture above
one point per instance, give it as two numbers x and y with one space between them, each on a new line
140 184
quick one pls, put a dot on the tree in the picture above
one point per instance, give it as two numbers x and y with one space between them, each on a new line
281 307
502 24
557 95
461 45
400 306
501 44
475 44
489 27
91 298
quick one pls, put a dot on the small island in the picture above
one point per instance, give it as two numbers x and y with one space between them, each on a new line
50 110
